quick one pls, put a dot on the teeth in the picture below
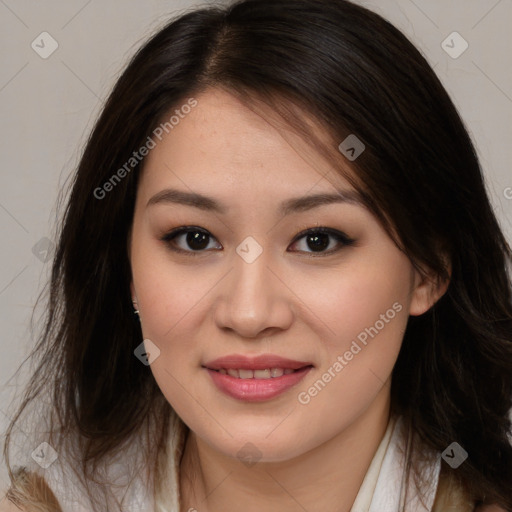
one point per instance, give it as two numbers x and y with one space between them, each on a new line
267 373
262 374
276 372
246 374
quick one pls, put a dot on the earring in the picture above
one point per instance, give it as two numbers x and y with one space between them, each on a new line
135 307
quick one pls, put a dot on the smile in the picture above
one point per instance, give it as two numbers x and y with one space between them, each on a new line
267 373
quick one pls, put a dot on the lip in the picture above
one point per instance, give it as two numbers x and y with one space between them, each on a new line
256 390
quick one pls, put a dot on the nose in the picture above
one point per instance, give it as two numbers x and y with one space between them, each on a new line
253 301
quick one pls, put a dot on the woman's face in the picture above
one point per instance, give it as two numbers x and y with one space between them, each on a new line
241 279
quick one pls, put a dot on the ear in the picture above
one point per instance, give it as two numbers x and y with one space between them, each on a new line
429 287
132 291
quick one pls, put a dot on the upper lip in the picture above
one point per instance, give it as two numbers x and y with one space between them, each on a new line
261 362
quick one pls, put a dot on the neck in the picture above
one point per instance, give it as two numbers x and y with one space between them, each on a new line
327 477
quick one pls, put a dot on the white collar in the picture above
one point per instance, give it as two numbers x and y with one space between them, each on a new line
384 488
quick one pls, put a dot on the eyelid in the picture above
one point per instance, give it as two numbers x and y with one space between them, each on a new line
323 229
168 237
341 237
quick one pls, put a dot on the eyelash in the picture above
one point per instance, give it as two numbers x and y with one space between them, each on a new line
340 237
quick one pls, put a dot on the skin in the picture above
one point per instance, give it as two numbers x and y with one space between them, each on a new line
291 301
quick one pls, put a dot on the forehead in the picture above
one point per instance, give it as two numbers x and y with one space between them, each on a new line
223 145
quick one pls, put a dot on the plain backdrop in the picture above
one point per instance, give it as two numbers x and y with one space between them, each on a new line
49 105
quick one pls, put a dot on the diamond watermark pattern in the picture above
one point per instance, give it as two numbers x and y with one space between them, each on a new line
249 454
454 45
351 147
147 352
44 45
454 455
249 250
43 250
44 455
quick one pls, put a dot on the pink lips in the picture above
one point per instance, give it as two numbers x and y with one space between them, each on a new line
256 389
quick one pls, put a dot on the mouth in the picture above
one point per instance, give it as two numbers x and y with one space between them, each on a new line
256 379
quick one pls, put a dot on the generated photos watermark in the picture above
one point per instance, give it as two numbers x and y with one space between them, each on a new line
44 455
304 397
454 455
137 156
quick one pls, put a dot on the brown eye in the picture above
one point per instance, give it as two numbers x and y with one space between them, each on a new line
194 240
322 240
188 239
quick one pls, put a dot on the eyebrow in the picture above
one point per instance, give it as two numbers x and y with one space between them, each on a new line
296 204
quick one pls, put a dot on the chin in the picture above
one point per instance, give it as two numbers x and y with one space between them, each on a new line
253 448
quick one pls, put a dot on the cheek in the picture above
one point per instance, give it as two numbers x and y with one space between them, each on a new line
168 293
365 307
170 320
366 311
169 301
372 293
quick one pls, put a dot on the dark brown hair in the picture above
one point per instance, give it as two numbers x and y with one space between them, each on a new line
354 73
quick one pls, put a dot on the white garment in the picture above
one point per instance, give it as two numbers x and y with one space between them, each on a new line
72 496
383 488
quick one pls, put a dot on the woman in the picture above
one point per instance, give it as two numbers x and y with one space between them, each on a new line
287 198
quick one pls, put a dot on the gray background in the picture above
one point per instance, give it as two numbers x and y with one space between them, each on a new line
49 105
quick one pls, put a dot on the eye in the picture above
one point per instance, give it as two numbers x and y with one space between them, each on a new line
192 238
319 240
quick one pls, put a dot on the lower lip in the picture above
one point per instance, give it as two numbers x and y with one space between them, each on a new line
256 390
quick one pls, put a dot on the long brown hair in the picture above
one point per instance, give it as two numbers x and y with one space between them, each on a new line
353 72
